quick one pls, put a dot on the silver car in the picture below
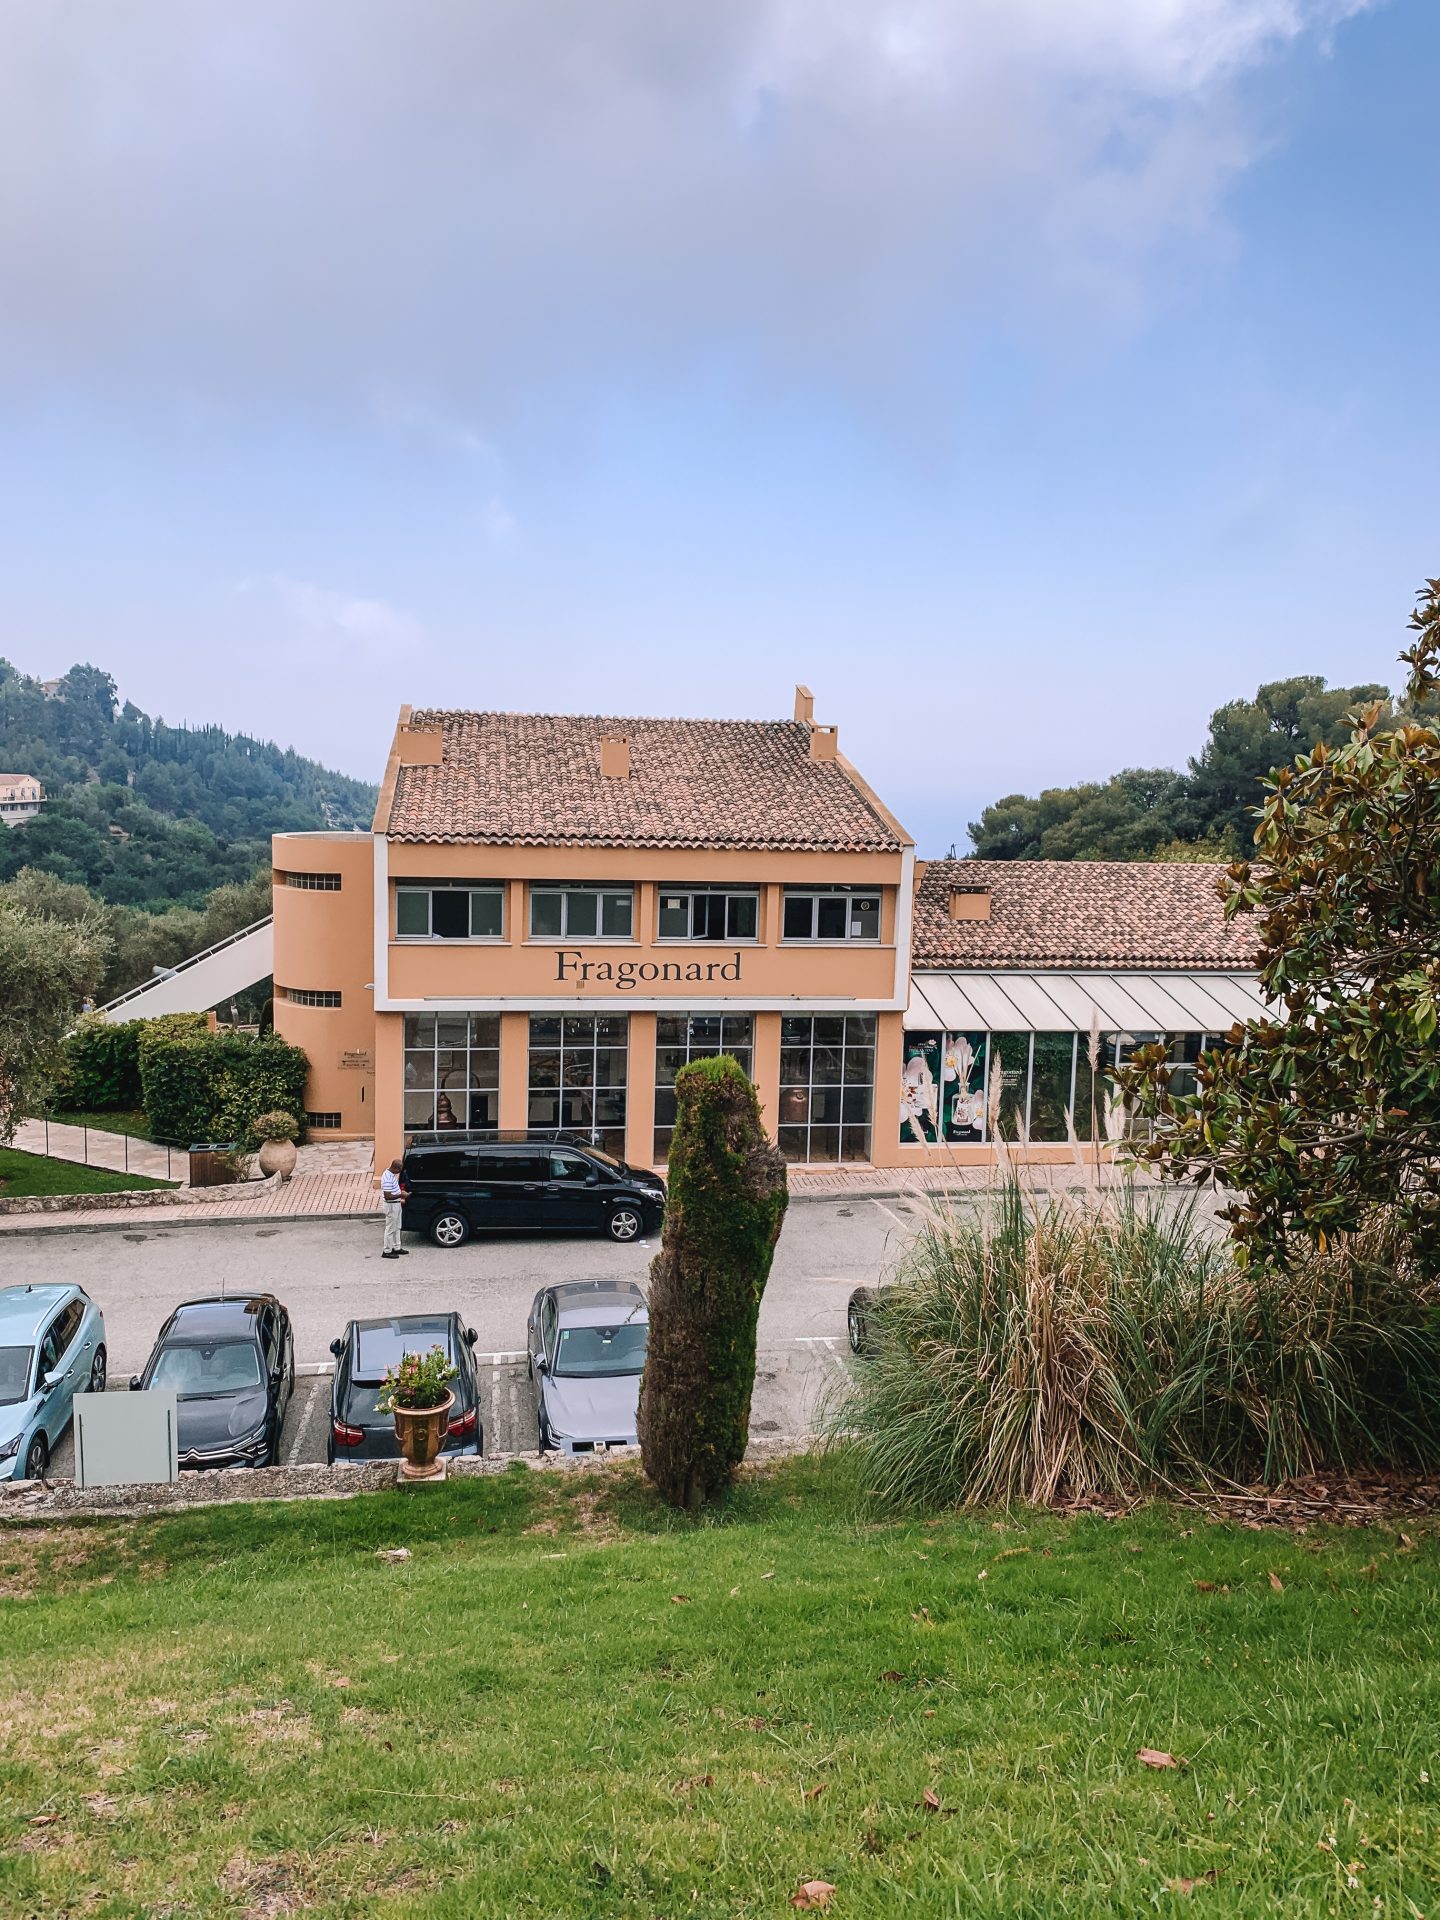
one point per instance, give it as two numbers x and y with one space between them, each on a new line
586 1342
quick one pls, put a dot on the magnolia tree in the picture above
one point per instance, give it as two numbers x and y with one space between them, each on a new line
1331 1107
47 967
726 1204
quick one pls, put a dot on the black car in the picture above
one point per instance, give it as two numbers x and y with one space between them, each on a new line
866 1306
358 1430
555 1186
231 1364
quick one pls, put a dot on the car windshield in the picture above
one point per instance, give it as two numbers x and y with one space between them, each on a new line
14 1373
193 1371
590 1351
382 1344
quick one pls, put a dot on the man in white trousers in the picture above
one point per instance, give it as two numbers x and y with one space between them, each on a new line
393 1195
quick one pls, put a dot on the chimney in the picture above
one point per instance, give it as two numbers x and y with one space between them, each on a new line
614 756
970 903
824 742
804 705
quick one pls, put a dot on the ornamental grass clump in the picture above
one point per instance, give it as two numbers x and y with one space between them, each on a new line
1062 1347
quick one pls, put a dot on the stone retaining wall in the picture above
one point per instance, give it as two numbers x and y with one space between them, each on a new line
95 1202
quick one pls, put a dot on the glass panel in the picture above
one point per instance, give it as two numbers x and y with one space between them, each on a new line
855 1104
485 1112
794 1066
865 917
859 1029
829 1030
450 1067
825 1068
796 1030
738 1031
420 1110
485 914
668 1062
544 915
582 915
741 1057
412 912
616 916
420 1069
919 1089
450 914
705 1030
447 1111
452 1030
792 1142
610 1067
665 1106
741 917
824 1143
578 1069
832 917
576 1110
799 916
544 1068
1050 1085
962 1088
485 1069
670 1030
662 1143
610 1107
544 1111
794 1105
855 1143
1010 1058
674 916
1090 1086
579 1030
544 1030
419 1029
612 1027
860 1066
485 1030
825 1104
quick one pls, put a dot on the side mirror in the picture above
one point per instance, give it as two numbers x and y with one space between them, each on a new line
134 1383
471 1336
542 1365
50 1382
335 1347
592 1179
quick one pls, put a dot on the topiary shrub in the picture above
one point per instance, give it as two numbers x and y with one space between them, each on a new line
211 1086
726 1205
274 1126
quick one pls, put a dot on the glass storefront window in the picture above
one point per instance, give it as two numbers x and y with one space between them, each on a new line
942 1089
452 1072
579 1071
827 1086
1052 1085
680 1037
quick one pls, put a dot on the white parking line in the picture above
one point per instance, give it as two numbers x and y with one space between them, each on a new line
499 1359
293 1457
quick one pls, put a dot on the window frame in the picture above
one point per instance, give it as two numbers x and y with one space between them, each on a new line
429 888
600 892
690 894
850 938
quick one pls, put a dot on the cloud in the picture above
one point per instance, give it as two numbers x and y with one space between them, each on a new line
493 203
324 619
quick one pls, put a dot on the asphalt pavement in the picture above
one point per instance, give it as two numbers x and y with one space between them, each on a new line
328 1272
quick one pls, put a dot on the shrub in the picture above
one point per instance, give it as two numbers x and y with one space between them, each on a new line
100 1068
1062 1347
726 1204
274 1126
420 1382
211 1086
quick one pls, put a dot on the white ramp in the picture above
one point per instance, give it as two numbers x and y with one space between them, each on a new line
205 979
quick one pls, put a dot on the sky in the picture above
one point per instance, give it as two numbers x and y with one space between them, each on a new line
1026 377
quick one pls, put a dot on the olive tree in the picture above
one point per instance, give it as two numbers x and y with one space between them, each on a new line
47 967
727 1201
1330 1108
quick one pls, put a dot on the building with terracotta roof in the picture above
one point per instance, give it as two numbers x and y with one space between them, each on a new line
553 913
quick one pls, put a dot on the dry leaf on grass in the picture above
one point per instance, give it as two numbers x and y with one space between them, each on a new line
44 1819
893 1676
1188 1886
814 1793
1153 1757
1277 1583
392 1553
930 1800
679 1599
813 1895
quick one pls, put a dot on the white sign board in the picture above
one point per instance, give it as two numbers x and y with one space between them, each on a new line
122 1439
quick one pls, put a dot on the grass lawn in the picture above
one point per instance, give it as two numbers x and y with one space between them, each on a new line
568 1703
26 1173
135 1124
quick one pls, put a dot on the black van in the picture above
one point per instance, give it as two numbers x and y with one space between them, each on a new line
544 1186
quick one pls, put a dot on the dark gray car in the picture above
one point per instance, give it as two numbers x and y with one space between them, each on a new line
586 1341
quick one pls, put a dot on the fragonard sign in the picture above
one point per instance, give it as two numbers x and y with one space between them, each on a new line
572 967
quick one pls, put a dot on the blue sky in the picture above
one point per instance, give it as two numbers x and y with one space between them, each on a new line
1026 376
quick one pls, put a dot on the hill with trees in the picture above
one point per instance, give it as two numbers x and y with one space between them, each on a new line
146 815
1204 813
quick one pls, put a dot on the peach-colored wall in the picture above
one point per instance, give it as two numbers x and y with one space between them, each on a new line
323 943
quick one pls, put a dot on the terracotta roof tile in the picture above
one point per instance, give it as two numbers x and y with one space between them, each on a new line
1080 913
534 779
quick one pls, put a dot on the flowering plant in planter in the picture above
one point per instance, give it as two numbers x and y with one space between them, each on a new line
420 1382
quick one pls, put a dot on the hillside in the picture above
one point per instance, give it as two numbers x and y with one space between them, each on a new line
148 815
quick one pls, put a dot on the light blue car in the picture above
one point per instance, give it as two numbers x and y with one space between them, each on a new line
52 1346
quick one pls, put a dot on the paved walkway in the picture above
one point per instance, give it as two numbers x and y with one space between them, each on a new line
120 1153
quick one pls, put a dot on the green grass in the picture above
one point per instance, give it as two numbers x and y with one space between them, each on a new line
135 1124
568 1702
30 1173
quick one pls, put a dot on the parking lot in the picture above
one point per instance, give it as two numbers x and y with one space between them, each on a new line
328 1272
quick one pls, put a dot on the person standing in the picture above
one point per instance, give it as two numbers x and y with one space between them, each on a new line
393 1195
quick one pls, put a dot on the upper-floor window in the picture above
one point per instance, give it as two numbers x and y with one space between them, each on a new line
709 913
832 913
314 882
428 912
582 913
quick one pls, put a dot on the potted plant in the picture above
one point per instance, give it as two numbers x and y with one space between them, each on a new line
276 1133
417 1393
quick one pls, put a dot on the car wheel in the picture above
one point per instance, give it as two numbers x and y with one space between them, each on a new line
37 1457
857 1320
544 1441
97 1371
625 1224
449 1229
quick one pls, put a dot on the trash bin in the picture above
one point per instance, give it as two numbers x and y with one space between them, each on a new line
210 1164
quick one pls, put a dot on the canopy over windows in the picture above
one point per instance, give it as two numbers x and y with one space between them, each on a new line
1056 1002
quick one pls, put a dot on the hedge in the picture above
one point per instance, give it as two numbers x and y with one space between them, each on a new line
100 1063
211 1086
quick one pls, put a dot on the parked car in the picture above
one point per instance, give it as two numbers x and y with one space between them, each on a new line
541 1186
52 1346
231 1366
866 1306
358 1430
586 1349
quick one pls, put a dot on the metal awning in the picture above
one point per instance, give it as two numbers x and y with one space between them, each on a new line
1044 1002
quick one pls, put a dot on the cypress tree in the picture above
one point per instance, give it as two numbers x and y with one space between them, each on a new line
727 1201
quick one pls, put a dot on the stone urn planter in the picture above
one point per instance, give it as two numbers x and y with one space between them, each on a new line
421 1434
277 1156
